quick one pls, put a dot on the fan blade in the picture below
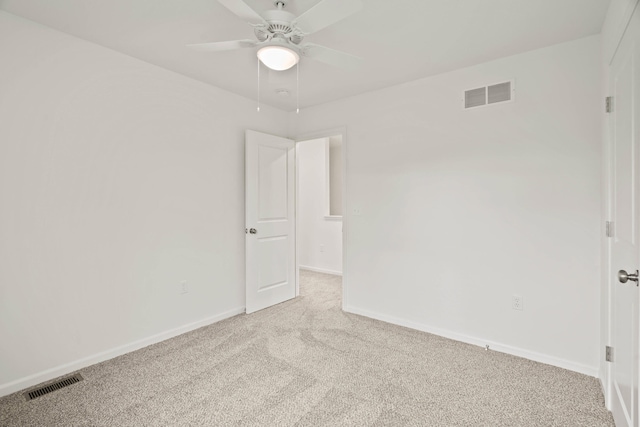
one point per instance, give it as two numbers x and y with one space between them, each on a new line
326 13
222 46
331 56
243 10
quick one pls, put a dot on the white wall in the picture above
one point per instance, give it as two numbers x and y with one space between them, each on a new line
320 238
118 180
463 209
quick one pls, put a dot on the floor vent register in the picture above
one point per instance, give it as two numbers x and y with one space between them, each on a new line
41 391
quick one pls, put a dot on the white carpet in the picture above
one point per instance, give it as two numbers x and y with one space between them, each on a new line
306 363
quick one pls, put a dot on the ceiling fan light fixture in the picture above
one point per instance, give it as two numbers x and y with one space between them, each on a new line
278 58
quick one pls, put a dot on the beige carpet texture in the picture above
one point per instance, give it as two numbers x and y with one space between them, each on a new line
307 363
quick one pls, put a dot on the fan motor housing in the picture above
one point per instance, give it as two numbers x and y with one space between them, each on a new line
280 24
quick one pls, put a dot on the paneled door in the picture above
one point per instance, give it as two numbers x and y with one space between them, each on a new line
270 220
624 126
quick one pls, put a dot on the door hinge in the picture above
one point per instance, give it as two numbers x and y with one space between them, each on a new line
608 354
608 103
609 228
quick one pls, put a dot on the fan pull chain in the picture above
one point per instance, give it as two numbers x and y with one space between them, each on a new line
258 85
298 88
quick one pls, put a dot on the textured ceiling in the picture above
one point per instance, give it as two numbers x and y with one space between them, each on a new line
399 40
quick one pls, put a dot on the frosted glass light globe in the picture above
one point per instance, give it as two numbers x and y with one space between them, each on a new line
278 58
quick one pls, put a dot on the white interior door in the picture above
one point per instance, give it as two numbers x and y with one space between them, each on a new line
625 252
270 220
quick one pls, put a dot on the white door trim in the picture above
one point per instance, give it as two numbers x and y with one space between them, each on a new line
325 134
619 31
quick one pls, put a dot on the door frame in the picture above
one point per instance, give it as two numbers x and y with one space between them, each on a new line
606 292
307 137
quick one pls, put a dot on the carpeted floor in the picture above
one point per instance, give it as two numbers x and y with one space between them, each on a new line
306 363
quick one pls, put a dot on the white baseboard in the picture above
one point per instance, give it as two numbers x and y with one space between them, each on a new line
67 368
320 270
591 371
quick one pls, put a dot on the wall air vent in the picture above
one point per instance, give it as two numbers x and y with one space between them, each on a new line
492 94
41 391
475 97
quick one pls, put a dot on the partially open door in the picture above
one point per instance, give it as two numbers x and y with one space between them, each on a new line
270 220
625 246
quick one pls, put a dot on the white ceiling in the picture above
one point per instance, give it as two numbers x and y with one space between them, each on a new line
400 40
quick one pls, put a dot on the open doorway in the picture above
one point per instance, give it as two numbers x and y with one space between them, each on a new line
320 198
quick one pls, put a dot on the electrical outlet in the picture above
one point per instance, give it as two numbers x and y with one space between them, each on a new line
517 303
183 287
321 248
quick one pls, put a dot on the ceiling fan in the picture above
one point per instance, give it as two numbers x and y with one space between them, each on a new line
279 33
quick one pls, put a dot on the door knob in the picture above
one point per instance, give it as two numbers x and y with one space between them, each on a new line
254 231
623 276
